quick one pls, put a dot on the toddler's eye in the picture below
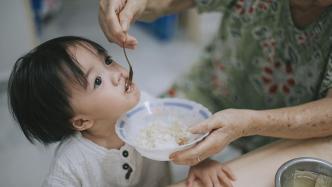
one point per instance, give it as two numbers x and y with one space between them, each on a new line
98 82
108 60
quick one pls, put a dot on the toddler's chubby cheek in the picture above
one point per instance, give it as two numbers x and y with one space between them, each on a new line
134 100
138 94
137 99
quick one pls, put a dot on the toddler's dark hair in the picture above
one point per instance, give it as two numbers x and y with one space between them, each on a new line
37 89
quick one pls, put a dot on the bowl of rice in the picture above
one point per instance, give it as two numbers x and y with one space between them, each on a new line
159 127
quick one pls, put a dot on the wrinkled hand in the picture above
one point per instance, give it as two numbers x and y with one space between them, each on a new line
224 127
115 17
211 174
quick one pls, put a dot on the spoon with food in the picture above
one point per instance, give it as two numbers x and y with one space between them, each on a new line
129 81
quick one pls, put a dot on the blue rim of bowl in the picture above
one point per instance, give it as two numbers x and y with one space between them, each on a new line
168 101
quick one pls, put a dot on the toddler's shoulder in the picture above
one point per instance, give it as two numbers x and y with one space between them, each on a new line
68 152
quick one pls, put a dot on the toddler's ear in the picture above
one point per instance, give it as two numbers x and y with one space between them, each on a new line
81 124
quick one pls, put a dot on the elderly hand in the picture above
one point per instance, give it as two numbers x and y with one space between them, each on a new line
115 17
224 127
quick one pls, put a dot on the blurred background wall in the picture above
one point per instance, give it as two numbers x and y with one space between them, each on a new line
17 33
167 48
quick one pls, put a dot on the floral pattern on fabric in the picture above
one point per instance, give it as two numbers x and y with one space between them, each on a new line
259 59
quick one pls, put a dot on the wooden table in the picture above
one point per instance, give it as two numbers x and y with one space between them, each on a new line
258 168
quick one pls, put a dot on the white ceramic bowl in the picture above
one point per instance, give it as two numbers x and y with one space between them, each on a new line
166 110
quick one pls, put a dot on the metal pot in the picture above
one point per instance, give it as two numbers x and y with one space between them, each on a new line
286 172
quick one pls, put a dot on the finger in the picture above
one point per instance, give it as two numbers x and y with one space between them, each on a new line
229 173
227 183
224 179
215 180
205 126
113 26
130 46
130 40
126 16
206 181
187 162
202 127
102 22
103 4
190 180
211 145
186 157
111 37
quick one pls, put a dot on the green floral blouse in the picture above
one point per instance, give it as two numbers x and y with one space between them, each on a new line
259 59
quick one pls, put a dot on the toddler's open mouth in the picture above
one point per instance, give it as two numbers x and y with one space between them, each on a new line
129 86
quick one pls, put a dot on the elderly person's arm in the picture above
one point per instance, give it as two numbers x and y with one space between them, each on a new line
115 16
157 8
262 164
313 119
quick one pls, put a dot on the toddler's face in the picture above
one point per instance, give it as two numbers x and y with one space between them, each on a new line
105 98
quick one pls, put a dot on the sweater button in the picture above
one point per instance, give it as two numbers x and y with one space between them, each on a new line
125 166
125 153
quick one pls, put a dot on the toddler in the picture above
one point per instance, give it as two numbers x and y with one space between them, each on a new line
69 90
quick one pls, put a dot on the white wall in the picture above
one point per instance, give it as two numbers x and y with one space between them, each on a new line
17 33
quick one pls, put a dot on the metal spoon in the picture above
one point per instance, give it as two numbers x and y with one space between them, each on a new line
129 81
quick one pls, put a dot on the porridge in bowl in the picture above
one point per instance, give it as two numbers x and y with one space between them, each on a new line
160 135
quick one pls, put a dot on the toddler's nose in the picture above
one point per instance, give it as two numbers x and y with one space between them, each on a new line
124 72
116 78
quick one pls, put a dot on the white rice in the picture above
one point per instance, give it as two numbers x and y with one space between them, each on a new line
160 135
